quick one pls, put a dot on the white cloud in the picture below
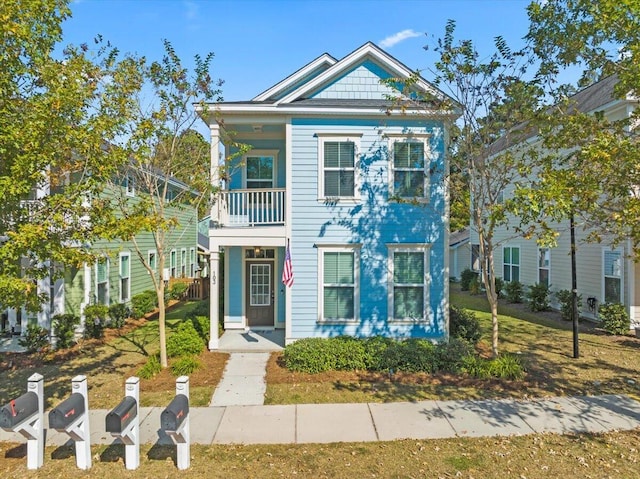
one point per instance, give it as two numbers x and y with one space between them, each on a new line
191 10
396 38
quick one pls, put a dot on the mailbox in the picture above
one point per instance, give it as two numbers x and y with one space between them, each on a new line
18 410
65 414
121 416
176 412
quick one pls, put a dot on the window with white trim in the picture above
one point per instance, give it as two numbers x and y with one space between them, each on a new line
408 282
338 175
130 185
612 276
102 281
511 263
125 276
475 257
339 295
183 263
173 258
260 169
409 172
192 262
544 266
152 259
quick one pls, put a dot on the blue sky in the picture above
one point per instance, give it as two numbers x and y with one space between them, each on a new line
258 43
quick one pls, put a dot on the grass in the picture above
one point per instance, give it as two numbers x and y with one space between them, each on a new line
108 363
613 454
607 365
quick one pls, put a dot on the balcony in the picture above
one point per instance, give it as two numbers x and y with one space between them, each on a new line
251 207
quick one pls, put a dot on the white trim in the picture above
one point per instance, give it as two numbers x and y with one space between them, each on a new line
273 154
107 296
121 298
410 138
130 186
323 59
357 176
173 268
620 251
347 248
183 262
548 268
193 259
425 249
243 285
288 292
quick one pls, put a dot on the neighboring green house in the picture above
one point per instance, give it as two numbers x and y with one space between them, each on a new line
118 274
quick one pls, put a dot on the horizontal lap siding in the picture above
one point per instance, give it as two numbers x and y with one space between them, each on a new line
372 222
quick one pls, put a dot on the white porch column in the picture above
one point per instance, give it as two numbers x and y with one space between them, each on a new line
214 303
215 170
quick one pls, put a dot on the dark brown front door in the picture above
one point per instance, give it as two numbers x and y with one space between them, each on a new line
260 293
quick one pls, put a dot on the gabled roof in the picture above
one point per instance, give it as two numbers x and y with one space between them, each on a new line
459 237
323 62
368 50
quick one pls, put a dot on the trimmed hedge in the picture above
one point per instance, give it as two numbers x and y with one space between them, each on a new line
614 317
184 341
143 303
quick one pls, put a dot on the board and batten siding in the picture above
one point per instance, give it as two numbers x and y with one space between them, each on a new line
373 223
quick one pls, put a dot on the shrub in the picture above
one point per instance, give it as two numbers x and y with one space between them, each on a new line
150 368
95 318
201 309
475 366
118 314
450 356
565 299
184 341
64 326
185 366
35 340
201 325
514 290
499 287
374 350
506 366
178 291
466 277
475 286
538 296
411 355
349 353
614 317
143 303
464 324
309 355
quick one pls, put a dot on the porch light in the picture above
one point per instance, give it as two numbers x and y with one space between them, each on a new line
256 250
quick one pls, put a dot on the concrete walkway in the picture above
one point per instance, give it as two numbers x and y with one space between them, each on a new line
242 382
326 423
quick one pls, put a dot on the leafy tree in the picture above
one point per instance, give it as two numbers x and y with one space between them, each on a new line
494 101
166 165
56 116
590 166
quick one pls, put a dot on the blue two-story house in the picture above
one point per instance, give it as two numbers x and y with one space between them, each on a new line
355 190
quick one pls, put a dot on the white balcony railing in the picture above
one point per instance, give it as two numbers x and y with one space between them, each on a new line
251 207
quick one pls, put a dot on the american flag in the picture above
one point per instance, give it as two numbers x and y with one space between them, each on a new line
287 272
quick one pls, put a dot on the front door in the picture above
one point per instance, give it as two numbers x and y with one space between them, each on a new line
259 293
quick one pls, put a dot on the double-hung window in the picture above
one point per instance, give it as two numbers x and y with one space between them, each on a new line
260 169
544 266
173 263
152 259
102 281
338 175
612 276
125 275
183 263
410 177
408 282
130 185
511 263
339 290
192 262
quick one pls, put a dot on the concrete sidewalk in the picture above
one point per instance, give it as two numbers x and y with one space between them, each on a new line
243 381
325 423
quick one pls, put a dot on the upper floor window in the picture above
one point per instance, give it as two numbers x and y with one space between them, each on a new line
338 176
130 185
409 176
260 169
612 276
152 259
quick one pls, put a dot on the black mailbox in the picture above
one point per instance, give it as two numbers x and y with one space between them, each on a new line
18 410
62 416
121 416
175 413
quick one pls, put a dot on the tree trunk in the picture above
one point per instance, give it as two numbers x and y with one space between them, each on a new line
161 324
